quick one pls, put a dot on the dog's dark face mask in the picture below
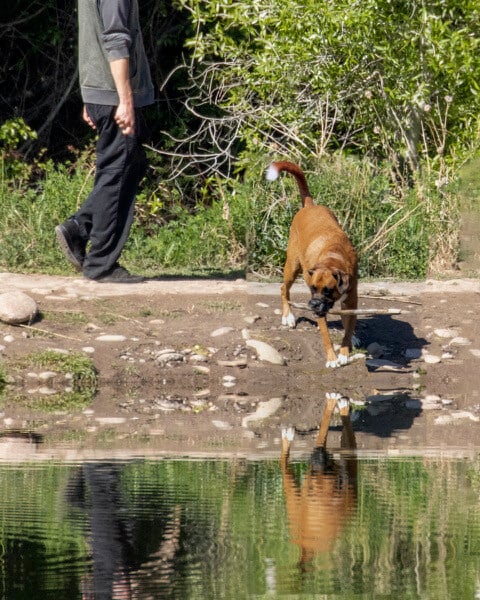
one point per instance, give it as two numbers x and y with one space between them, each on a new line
327 287
322 302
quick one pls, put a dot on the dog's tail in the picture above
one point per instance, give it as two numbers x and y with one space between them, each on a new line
276 168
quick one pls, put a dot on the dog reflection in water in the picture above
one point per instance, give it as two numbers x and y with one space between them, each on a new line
323 504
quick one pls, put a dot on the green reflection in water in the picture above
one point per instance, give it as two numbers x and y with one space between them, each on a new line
219 529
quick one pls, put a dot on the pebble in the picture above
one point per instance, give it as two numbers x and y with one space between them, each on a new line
157 322
198 358
251 320
263 305
88 349
413 353
475 352
110 420
221 331
2 348
111 338
266 352
203 370
9 339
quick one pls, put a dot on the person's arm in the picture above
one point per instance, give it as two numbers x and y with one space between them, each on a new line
117 41
125 113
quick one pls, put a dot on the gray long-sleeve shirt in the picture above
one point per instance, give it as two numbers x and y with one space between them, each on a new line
110 30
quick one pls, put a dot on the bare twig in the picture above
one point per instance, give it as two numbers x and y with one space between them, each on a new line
355 311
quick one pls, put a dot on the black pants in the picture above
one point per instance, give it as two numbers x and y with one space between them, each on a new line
106 215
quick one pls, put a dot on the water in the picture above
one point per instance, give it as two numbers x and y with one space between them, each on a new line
404 528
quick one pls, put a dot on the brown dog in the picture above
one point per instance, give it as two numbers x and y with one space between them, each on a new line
321 250
320 508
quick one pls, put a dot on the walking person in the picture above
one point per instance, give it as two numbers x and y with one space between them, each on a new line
115 84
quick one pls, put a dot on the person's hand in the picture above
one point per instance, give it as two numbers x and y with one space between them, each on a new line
87 119
125 118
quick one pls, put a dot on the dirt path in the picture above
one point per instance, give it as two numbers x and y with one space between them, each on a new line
168 386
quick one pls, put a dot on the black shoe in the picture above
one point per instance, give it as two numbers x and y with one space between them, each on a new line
119 274
71 243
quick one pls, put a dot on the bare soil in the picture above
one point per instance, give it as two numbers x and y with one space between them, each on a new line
196 405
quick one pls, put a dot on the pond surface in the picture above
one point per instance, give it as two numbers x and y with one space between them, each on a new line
338 526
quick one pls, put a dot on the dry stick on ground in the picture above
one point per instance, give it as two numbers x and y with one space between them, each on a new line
38 330
355 311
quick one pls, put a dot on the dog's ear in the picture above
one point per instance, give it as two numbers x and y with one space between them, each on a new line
343 281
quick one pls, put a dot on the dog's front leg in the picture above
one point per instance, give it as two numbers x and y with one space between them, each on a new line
327 343
348 322
290 273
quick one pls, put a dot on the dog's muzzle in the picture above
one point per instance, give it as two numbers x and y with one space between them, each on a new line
321 306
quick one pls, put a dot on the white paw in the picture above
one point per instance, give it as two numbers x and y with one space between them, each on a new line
333 396
289 320
342 360
343 402
332 364
288 433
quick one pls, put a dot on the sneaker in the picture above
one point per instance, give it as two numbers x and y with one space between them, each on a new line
71 243
119 274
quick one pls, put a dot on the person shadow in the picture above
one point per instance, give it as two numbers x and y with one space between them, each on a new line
321 506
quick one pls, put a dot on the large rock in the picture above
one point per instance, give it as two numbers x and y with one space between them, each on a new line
16 307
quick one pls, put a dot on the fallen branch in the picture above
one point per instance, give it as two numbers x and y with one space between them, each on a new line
355 311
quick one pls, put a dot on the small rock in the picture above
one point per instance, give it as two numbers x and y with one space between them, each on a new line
201 369
229 384
251 320
386 365
241 362
111 338
221 425
46 375
202 393
447 355
170 357
16 307
475 352
413 404
221 331
460 341
264 410
431 359
88 349
375 350
2 348
110 420
157 322
198 358
266 352
9 339
46 391
229 378
445 333
263 305
413 353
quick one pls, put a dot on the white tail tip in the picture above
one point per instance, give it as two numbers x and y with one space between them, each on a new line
272 173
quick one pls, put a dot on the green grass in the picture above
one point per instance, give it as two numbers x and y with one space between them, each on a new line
243 224
83 380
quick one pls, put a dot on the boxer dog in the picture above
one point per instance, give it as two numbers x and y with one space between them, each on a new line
327 499
320 250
